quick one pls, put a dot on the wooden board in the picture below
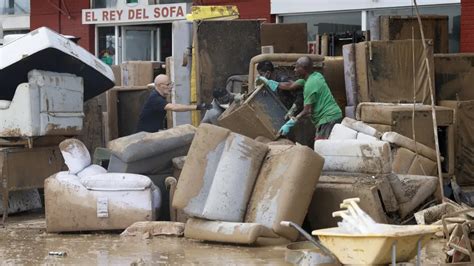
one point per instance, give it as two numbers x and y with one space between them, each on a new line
285 38
454 76
92 131
224 49
130 104
400 28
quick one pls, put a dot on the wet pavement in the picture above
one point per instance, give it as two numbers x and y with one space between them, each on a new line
24 241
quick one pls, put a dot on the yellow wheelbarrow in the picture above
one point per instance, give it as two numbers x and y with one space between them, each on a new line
396 243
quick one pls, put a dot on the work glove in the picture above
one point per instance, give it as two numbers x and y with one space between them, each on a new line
273 85
285 129
292 111
238 98
203 106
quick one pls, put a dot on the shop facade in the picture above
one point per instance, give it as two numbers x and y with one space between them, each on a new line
134 30
345 15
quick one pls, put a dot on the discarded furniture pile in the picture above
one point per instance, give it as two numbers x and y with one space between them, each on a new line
237 181
361 162
41 103
238 190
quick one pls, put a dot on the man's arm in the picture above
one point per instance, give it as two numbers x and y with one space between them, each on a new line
307 109
289 86
176 107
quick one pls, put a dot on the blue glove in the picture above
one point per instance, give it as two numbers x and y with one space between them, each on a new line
273 85
285 129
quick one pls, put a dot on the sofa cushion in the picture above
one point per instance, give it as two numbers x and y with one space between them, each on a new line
402 141
219 174
76 156
143 145
360 126
116 182
288 178
227 232
355 156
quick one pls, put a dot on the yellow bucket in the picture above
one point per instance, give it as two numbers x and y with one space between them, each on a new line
376 248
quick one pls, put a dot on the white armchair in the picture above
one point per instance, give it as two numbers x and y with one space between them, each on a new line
86 198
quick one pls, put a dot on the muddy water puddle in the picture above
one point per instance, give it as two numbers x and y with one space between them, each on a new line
24 241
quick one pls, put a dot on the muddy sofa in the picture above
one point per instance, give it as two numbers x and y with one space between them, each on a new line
87 198
278 186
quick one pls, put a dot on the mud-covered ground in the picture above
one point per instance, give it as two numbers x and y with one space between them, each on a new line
24 241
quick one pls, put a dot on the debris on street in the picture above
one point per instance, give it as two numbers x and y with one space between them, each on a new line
185 135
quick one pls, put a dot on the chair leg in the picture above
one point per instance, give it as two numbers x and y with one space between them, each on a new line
4 205
171 183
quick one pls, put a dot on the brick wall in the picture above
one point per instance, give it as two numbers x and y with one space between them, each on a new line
467 26
46 13
248 9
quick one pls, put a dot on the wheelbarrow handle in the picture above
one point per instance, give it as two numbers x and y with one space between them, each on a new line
309 238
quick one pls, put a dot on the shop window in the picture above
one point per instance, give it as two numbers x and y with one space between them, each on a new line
327 22
106 44
14 7
104 3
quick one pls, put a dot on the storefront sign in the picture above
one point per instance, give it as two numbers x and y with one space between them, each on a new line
134 14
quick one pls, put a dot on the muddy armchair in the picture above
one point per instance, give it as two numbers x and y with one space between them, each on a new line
87 198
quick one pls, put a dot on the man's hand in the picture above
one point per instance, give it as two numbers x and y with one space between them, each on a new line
285 129
203 106
273 85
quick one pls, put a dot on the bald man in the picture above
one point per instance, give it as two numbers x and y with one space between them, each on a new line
319 102
153 115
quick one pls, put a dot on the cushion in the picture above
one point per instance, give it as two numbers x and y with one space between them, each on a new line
288 178
76 156
402 141
116 182
143 145
355 156
219 174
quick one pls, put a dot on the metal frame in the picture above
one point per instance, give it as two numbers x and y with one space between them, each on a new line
467 227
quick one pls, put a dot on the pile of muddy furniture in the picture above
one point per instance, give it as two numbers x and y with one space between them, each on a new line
151 154
124 193
238 190
86 197
362 162
45 80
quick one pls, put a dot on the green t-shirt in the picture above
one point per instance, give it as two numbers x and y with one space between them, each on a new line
316 93
300 82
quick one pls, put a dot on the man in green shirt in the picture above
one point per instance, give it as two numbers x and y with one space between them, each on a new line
318 101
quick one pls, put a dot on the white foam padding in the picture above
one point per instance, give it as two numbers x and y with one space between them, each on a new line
340 132
365 137
355 156
360 126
